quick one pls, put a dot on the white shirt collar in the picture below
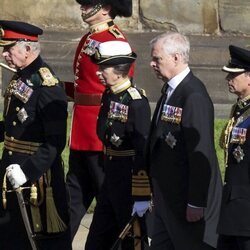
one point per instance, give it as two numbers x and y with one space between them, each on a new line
175 81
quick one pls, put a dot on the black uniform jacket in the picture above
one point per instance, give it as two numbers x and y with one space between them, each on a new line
127 133
235 215
182 155
34 134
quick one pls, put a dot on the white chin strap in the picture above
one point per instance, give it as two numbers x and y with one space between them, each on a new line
95 9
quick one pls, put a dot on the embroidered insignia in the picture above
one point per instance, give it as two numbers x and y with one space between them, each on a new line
238 154
170 140
48 78
90 46
171 114
115 32
143 92
29 83
118 111
134 93
239 120
22 115
1 32
11 87
22 91
238 135
115 140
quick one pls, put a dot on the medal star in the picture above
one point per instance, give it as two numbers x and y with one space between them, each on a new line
116 140
238 154
170 140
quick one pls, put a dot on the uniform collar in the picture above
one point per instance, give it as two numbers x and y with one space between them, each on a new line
242 103
30 69
99 27
118 88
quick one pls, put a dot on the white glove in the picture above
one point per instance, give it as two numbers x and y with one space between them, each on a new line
15 175
141 207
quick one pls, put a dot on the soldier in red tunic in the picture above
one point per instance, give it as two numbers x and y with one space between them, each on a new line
85 174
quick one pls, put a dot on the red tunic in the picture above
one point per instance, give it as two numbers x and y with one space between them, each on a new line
84 118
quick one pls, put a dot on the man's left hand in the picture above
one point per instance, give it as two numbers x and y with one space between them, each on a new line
141 207
194 214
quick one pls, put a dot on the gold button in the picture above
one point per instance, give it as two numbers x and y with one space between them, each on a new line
14 123
10 152
12 138
110 157
17 109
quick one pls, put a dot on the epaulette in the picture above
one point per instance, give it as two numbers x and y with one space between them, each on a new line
134 93
48 78
115 32
143 92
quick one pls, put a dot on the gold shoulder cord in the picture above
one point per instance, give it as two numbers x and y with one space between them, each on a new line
4 190
225 135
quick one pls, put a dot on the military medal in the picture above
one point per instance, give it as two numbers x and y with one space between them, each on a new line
115 140
170 140
90 47
238 135
238 154
118 111
171 114
22 91
22 115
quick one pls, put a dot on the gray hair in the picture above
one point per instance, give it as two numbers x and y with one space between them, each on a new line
34 46
174 42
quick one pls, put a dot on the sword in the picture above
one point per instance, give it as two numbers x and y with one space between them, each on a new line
124 232
7 67
25 218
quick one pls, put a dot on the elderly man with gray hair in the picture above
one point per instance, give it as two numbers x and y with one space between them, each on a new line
181 154
34 134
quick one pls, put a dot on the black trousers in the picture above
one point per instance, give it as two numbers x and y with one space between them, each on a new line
226 242
114 207
169 232
13 235
84 180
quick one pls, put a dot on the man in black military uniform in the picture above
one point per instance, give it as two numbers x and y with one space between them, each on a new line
234 223
122 126
34 135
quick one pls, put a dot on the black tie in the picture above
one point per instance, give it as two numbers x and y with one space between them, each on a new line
161 102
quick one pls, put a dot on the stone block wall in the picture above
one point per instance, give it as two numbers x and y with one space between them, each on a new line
190 16
210 24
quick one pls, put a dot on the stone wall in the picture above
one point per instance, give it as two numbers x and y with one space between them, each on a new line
189 16
210 24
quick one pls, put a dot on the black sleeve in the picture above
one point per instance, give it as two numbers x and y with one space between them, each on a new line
198 135
139 116
52 110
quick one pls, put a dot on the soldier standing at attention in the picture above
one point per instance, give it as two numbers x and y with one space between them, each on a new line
85 174
34 134
234 222
123 125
